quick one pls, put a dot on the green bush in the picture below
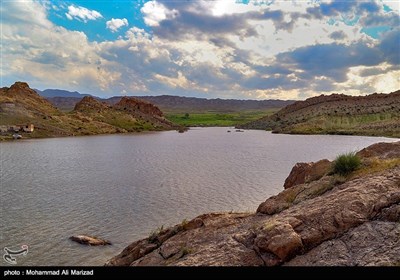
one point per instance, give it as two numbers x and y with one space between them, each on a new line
346 163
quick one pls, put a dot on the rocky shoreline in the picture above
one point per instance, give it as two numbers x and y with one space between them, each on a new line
319 219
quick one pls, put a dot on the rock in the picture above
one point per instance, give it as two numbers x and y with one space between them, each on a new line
381 150
306 172
279 239
296 194
131 253
373 243
193 224
132 104
89 240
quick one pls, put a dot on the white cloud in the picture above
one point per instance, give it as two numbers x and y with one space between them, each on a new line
46 55
116 23
155 12
82 13
203 62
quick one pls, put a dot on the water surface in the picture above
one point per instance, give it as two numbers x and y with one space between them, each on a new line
121 187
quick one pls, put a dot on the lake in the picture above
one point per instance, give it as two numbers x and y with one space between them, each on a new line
122 187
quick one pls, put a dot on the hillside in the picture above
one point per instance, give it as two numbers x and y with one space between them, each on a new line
375 114
321 220
20 106
129 114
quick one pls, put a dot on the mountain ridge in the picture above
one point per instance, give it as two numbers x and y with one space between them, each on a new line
66 100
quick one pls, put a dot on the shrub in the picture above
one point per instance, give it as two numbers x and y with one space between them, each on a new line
346 163
155 233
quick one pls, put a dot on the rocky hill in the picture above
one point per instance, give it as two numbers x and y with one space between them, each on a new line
319 219
375 114
129 113
20 105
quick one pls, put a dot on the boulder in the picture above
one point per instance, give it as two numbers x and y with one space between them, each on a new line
304 172
89 240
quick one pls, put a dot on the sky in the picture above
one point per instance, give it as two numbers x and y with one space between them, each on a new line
241 49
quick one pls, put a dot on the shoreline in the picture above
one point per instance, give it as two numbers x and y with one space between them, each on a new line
10 138
313 221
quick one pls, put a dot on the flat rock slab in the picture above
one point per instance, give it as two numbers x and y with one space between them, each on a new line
89 240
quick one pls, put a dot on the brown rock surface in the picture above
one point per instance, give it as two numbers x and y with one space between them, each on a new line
304 172
134 105
89 240
381 150
319 223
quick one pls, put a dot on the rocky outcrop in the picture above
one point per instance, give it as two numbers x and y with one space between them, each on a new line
304 172
381 150
89 240
90 104
328 221
132 104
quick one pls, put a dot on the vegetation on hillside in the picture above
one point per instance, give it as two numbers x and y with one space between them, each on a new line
374 115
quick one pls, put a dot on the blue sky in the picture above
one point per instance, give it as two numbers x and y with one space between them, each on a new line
245 49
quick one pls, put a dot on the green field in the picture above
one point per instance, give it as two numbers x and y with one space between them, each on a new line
211 118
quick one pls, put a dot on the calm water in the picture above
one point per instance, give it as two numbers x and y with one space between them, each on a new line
121 187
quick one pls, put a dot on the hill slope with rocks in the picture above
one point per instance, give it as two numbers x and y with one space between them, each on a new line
21 105
319 219
375 114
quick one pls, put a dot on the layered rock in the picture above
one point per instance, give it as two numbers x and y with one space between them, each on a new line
325 222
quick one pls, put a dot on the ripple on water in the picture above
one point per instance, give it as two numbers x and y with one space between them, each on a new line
121 187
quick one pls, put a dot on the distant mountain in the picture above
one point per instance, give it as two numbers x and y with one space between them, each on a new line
375 114
21 105
48 93
66 100
194 104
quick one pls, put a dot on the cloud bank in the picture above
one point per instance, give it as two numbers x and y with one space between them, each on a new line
220 48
